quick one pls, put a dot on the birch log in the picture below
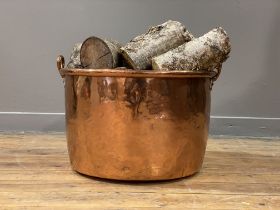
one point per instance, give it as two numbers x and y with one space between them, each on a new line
204 53
75 61
97 53
139 52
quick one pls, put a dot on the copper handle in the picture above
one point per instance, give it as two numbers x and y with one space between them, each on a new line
60 62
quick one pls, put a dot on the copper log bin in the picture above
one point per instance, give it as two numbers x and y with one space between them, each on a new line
136 125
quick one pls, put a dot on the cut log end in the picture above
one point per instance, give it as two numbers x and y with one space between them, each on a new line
96 54
129 62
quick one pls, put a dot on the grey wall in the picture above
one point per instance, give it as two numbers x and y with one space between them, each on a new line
246 97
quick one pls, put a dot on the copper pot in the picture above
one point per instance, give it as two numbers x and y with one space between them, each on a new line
136 125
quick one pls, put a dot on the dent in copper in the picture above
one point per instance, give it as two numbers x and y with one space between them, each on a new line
137 128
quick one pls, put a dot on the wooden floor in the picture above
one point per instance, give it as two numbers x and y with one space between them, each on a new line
237 174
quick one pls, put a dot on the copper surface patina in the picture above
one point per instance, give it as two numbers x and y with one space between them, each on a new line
136 125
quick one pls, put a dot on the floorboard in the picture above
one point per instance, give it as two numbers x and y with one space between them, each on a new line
237 174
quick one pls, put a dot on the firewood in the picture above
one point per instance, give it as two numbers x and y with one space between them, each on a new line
204 53
99 53
139 52
75 61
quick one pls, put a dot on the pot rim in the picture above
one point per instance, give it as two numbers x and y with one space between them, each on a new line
136 73
213 75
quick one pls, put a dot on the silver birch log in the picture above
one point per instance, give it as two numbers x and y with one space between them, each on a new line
75 61
204 53
138 53
97 53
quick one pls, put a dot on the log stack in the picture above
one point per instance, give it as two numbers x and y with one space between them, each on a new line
166 47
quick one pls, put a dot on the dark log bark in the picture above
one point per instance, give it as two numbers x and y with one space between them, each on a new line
204 53
97 53
158 40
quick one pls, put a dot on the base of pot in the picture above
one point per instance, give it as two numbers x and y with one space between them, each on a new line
146 177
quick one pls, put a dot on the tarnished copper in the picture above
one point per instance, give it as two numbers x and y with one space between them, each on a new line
136 125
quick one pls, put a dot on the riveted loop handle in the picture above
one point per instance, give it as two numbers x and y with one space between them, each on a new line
60 62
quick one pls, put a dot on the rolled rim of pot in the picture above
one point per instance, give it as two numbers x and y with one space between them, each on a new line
136 73
132 73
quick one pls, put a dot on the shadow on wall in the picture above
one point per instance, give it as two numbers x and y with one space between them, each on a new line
258 102
261 95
